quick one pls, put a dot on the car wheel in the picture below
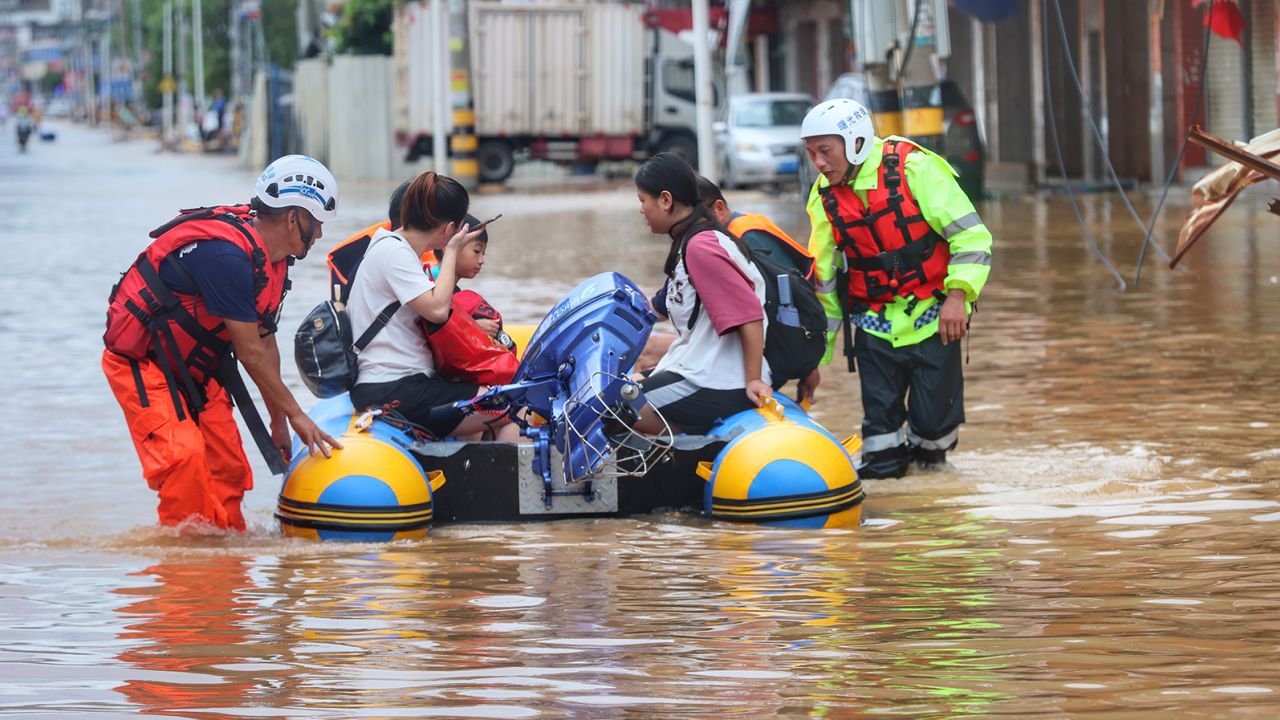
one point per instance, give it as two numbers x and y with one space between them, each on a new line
726 176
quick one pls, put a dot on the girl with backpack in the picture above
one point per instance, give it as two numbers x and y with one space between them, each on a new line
714 295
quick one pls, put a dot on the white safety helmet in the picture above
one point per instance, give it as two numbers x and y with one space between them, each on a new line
846 118
302 182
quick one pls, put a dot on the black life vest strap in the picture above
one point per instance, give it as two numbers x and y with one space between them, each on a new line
893 184
162 359
379 322
195 399
136 368
229 378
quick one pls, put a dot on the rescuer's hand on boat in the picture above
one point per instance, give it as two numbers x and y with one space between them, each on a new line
311 435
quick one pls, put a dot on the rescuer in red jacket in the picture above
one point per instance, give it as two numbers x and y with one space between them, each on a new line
203 297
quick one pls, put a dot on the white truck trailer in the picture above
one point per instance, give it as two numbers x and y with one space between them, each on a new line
574 84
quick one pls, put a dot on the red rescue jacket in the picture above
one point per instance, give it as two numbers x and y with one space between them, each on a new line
465 353
889 247
145 316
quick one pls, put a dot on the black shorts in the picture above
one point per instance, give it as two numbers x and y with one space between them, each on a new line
689 408
418 396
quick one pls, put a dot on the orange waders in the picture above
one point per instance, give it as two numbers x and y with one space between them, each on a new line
199 470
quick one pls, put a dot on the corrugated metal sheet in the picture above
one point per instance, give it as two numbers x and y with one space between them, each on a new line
559 86
255 149
311 106
557 70
616 76
1266 84
414 49
501 70
1225 101
360 116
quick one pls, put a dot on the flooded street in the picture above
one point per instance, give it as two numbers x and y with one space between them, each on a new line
1105 544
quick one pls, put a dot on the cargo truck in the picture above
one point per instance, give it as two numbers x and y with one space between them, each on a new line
573 84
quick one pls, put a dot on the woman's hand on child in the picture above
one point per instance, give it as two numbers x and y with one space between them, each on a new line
490 327
758 391
464 235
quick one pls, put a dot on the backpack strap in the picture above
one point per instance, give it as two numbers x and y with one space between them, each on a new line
379 322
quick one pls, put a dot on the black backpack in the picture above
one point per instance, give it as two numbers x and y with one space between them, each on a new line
796 337
323 347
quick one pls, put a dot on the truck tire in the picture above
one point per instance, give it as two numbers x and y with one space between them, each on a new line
496 160
686 146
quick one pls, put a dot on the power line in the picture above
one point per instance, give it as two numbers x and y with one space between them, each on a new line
1057 145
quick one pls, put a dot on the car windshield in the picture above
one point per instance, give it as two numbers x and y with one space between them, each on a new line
771 113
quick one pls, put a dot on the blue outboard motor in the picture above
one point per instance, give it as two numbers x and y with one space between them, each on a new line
574 376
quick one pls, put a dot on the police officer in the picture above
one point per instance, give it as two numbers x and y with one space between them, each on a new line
901 256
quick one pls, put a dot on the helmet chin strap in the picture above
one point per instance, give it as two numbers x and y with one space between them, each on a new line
308 238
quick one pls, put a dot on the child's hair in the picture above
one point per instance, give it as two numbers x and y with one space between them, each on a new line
394 209
669 172
709 192
472 221
432 200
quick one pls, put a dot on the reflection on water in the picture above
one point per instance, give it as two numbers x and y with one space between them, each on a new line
1103 544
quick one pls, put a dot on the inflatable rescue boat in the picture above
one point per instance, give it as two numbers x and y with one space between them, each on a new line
773 465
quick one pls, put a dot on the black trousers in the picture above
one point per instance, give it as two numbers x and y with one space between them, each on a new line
921 385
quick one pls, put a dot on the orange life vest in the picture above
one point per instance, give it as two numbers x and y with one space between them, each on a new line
890 249
744 223
346 255
345 258
145 316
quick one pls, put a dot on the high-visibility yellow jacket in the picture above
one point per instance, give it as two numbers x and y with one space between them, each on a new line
947 210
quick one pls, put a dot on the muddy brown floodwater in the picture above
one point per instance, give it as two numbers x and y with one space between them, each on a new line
1104 544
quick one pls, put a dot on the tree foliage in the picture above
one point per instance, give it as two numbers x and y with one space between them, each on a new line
365 27
279 32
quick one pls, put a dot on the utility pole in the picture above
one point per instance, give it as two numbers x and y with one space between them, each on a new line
104 69
304 26
184 90
89 97
137 52
233 35
440 96
197 29
702 91
167 83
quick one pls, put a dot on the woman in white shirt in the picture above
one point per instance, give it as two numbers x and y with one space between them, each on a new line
396 366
